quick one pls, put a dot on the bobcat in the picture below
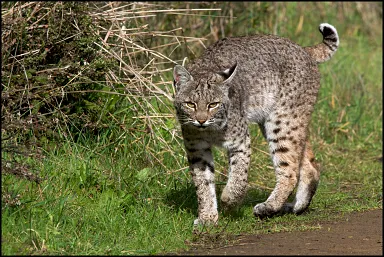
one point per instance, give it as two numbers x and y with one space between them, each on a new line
264 79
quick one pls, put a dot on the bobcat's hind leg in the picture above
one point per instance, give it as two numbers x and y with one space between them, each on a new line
308 181
286 137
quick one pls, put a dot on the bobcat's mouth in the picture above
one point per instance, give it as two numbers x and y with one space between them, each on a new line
201 126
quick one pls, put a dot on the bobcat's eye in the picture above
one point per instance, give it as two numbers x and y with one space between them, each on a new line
213 105
190 105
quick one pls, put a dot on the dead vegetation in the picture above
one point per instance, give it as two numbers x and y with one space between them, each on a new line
69 69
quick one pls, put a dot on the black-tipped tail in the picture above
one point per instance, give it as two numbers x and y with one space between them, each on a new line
324 51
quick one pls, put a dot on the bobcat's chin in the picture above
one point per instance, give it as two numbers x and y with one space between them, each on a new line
201 127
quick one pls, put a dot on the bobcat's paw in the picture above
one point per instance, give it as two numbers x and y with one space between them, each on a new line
227 203
206 219
263 210
199 224
230 201
300 208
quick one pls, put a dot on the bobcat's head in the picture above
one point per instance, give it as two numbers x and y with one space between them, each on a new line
203 101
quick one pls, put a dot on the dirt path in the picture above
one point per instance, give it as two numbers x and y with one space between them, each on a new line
359 233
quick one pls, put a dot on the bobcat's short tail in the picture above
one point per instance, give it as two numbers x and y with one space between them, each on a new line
324 51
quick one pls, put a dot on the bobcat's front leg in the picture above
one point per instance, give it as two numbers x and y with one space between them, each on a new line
202 170
239 153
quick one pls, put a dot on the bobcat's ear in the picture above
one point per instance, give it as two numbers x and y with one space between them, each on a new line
180 76
228 74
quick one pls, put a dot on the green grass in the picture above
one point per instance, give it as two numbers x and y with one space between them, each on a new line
128 192
92 205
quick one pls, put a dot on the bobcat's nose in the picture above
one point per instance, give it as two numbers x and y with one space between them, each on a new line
201 121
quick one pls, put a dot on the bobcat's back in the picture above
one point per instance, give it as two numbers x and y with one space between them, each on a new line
264 64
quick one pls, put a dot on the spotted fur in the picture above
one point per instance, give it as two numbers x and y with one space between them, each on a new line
262 79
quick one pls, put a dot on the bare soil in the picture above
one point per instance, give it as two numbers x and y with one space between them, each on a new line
358 233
